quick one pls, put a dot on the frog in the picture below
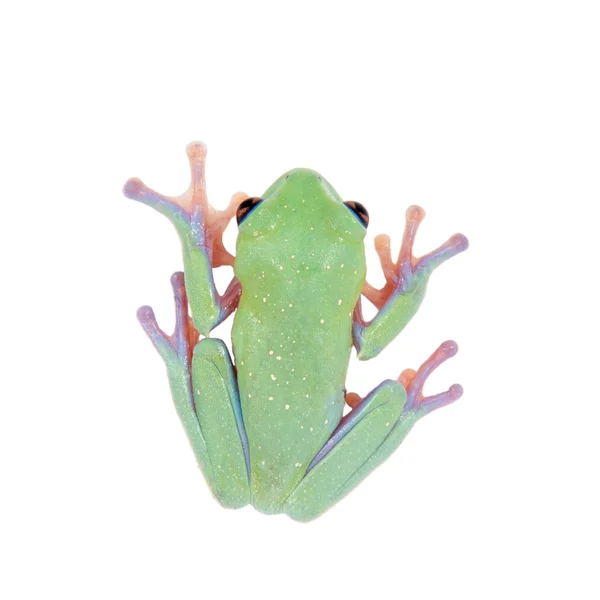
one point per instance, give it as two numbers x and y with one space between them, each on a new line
273 426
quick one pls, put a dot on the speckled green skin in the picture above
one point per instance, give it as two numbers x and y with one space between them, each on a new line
269 431
301 262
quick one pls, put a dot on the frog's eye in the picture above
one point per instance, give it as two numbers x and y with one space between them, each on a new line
245 208
360 212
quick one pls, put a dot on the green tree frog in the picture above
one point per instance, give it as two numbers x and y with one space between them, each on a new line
268 429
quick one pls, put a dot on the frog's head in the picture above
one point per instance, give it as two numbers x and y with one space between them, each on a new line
300 225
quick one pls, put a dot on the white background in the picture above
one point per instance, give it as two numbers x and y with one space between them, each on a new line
484 113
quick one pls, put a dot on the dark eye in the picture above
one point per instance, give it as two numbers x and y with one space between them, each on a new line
246 207
360 211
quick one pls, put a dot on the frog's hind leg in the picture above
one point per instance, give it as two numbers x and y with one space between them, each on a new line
205 394
367 436
220 416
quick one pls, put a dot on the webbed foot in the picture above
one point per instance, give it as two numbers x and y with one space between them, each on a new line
200 228
407 272
406 280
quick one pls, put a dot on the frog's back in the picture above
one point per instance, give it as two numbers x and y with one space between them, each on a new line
300 260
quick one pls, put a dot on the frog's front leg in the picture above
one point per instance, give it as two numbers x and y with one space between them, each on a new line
205 393
200 228
406 280
367 436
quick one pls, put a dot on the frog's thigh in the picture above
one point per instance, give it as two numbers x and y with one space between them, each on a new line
353 444
220 416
